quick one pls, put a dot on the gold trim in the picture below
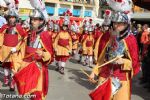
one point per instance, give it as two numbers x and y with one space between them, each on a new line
46 50
129 57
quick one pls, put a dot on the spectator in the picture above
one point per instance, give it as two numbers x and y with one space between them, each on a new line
145 63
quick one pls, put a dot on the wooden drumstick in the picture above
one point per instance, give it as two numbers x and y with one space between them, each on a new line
110 61
93 81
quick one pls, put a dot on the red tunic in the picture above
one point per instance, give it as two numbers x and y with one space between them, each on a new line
27 71
11 40
133 52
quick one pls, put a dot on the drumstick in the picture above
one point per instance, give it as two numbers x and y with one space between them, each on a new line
110 61
82 70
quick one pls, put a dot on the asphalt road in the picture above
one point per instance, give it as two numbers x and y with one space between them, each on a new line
74 84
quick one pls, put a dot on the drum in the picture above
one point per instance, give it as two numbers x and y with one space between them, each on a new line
105 89
102 91
115 85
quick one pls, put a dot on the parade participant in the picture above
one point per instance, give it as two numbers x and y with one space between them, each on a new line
63 46
122 69
50 25
87 46
38 54
103 34
145 34
83 31
75 39
56 30
26 25
2 22
12 39
97 31
91 22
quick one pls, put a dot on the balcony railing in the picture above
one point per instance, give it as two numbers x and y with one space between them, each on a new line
90 2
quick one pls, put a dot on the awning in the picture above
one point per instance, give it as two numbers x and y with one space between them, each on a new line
142 17
24 17
142 3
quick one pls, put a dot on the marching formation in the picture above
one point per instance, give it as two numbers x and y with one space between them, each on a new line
26 50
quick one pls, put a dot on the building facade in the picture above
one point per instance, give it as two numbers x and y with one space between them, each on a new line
79 8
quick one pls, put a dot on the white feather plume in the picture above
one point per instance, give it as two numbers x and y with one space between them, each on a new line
39 4
3 3
10 4
123 6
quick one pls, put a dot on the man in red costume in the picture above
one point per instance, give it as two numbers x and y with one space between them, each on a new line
75 38
38 54
121 42
103 33
63 46
12 36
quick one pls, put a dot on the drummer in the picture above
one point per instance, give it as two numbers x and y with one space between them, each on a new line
121 42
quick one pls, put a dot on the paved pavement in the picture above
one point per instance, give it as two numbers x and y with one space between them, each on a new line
75 86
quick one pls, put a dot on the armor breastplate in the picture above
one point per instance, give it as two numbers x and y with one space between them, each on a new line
119 50
35 43
11 30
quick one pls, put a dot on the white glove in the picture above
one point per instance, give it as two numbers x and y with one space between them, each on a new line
13 50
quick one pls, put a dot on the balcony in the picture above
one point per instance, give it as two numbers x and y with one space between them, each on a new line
85 2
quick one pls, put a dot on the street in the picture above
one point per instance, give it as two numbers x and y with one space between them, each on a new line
75 86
